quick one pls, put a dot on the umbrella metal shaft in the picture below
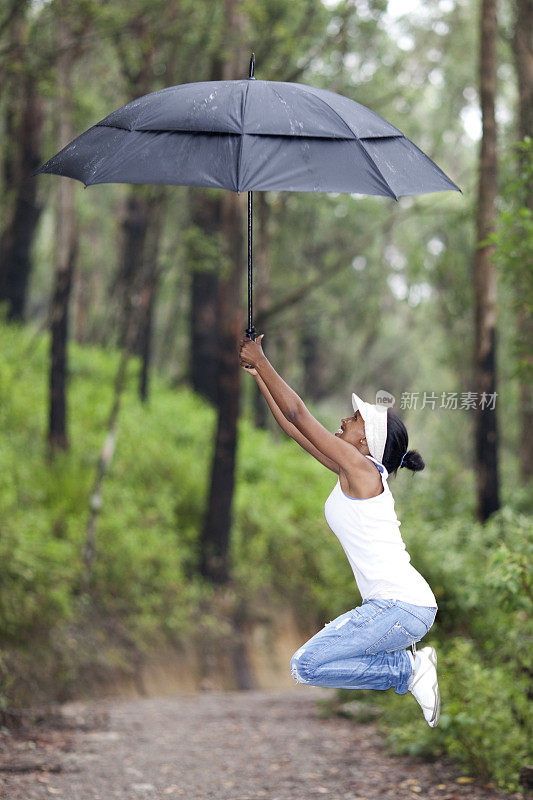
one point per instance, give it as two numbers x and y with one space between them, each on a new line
250 330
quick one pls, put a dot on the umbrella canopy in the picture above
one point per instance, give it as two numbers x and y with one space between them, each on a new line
250 134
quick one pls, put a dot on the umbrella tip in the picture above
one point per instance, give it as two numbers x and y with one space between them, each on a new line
252 66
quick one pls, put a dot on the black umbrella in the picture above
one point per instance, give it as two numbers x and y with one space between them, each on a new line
250 134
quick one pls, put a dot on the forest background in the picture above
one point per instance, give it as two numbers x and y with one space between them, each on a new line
147 499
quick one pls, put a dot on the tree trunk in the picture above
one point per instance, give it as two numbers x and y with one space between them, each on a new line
66 251
216 532
203 323
148 295
134 225
485 275
523 53
310 344
23 125
150 272
205 213
81 296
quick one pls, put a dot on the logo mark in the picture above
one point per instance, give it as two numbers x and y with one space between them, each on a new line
384 400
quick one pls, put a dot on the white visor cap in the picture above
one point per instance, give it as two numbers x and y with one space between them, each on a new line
375 419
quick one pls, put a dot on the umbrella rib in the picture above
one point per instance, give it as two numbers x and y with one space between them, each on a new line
376 167
321 99
358 139
241 138
234 133
168 130
249 133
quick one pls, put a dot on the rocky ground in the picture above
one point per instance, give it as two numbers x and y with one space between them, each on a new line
214 744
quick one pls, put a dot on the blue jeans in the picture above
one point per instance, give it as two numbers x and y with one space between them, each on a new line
365 647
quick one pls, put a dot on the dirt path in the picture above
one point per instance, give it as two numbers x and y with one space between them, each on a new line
223 745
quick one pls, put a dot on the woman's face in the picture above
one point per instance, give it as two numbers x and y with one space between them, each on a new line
352 430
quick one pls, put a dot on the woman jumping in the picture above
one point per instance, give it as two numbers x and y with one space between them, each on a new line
367 647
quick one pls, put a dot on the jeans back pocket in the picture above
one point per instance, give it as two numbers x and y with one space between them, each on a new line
398 637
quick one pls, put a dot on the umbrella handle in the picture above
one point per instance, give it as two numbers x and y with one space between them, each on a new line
251 334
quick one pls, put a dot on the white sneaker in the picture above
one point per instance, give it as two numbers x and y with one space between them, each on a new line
424 685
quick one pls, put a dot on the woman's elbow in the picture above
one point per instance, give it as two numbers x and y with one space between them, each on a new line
294 413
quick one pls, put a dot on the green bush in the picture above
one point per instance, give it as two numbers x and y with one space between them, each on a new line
483 634
485 721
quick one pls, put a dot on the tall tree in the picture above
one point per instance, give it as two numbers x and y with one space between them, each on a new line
203 256
141 227
133 230
217 525
486 434
151 274
523 53
66 242
23 118
215 537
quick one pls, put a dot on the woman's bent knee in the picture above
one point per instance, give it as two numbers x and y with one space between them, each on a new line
300 669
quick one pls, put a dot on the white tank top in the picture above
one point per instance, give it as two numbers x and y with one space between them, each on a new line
369 532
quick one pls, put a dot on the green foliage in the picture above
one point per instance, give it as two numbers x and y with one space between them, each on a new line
513 248
485 722
36 578
511 577
145 538
484 635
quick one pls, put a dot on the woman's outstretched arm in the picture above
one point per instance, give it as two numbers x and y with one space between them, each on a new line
289 428
293 408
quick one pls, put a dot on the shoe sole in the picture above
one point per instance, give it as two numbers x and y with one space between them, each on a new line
436 709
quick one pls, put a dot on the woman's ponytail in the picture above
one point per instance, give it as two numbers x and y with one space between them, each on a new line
413 460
